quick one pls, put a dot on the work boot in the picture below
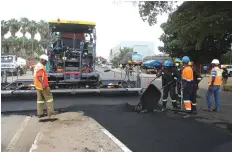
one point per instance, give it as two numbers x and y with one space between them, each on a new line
174 105
194 112
164 106
207 109
41 116
187 116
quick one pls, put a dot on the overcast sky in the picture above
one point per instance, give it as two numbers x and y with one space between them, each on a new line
115 23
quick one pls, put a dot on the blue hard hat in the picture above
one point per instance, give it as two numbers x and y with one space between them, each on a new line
185 59
168 63
177 60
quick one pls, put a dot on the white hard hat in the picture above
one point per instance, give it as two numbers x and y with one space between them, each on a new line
44 57
215 61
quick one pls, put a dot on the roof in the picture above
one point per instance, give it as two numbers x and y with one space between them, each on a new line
71 26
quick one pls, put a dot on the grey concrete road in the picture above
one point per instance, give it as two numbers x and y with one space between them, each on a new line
161 132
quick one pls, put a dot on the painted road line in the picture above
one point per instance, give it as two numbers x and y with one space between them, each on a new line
37 139
10 147
116 141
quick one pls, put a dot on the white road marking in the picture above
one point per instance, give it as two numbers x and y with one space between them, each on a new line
116 141
37 139
10 147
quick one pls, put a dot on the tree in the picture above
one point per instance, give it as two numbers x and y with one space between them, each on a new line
122 56
4 28
43 31
201 30
149 10
14 26
24 22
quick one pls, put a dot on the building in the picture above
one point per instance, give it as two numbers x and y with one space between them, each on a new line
145 48
115 51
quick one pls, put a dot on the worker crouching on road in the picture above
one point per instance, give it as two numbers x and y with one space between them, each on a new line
168 82
215 81
42 88
187 84
196 79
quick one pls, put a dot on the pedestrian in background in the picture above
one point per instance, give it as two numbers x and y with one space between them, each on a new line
205 68
215 81
225 76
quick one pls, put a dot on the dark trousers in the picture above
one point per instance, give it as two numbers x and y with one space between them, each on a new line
193 99
169 89
205 72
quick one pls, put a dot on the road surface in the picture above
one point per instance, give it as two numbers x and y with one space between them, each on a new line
102 124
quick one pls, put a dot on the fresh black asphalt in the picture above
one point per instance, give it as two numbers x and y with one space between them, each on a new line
156 132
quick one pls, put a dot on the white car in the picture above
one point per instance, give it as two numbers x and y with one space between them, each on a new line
229 69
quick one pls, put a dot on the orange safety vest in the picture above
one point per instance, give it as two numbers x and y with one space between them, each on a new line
37 83
218 79
187 73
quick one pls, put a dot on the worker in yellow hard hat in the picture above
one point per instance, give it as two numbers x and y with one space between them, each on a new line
190 63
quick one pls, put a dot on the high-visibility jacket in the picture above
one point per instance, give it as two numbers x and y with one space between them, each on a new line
37 83
187 74
217 73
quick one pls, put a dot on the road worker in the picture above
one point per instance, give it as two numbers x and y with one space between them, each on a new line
225 76
42 88
215 81
178 66
187 84
169 76
196 79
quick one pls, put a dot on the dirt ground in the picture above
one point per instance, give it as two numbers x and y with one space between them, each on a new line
73 132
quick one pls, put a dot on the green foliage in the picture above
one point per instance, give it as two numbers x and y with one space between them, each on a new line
201 30
23 46
122 55
149 10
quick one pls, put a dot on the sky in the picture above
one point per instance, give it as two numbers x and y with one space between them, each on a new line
114 23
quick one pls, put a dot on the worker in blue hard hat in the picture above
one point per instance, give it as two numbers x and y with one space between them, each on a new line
169 76
178 66
187 84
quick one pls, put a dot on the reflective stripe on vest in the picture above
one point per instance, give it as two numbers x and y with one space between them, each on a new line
37 83
218 78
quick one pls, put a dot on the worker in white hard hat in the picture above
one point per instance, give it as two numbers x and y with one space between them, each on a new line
42 88
215 81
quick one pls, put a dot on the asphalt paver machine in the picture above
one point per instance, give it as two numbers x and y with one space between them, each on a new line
71 58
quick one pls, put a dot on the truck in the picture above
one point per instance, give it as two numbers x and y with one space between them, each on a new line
12 64
72 56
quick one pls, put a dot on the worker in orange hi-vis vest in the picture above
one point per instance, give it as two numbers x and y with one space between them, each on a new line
187 84
215 81
42 88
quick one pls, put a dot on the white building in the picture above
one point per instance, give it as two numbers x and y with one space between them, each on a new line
144 48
